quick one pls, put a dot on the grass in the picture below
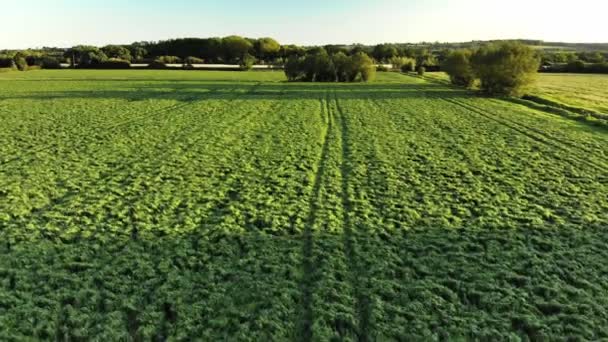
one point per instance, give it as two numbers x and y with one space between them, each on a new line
233 206
589 92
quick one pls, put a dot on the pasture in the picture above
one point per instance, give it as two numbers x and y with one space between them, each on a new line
139 205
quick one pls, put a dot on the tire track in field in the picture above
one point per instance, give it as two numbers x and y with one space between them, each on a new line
189 101
123 169
566 144
358 273
308 266
522 129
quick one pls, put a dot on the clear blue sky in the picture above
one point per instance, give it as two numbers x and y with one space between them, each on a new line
63 23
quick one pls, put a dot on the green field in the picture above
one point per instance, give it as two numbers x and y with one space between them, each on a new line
226 206
583 91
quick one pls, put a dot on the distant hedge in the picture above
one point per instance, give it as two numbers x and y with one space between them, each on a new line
577 67
112 63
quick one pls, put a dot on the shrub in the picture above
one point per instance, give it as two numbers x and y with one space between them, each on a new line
246 62
193 60
157 65
458 66
7 63
409 65
363 67
598 68
294 68
50 63
320 67
381 68
168 59
505 68
575 66
21 63
113 63
421 70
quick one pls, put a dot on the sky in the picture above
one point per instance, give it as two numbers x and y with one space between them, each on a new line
64 23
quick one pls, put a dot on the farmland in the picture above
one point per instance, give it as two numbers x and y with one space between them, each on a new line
236 206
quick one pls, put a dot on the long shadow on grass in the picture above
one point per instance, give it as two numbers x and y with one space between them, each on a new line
266 91
488 284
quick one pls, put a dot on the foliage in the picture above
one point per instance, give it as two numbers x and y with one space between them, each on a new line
458 65
235 47
113 63
117 52
267 49
193 60
421 70
247 62
20 63
382 68
50 63
405 64
321 67
168 59
505 68
384 52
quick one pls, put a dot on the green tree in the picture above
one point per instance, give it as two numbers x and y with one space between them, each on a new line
363 67
117 51
267 49
505 68
235 47
457 64
247 62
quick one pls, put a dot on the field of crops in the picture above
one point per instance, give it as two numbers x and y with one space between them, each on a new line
140 205
588 92
584 91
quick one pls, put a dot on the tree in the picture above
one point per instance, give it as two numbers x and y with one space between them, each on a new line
343 66
235 48
85 56
117 51
458 65
404 64
384 52
247 62
294 68
505 68
267 49
363 67
137 52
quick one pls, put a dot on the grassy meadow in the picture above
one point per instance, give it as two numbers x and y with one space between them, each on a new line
141 205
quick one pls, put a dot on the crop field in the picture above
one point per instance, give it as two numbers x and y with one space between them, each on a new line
584 91
227 206
587 92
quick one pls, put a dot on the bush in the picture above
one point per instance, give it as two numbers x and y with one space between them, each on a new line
320 67
575 66
113 63
7 63
421 70
363 67
157 65
193 60
21 63
409 65
50 63
294 68
247 62
458 66
598 68
505 68
381 68
168 59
